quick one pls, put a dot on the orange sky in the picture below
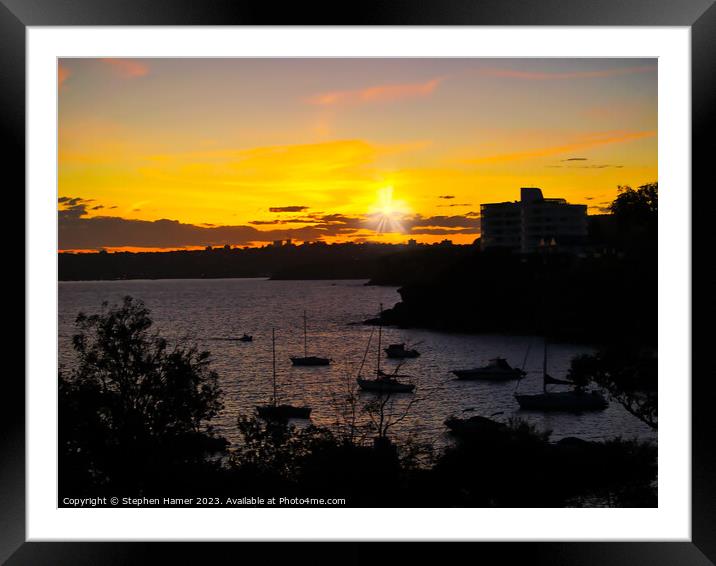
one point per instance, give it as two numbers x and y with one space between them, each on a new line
181 153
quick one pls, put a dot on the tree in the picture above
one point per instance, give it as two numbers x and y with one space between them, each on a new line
642 202
630 376
636 213
133 406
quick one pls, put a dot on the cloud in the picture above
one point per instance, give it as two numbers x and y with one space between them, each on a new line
78 231
127 68
583 142
605 166
461 221
379 93
536 76
447 196
575 159
288 208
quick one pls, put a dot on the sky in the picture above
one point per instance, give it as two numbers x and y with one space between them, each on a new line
183 153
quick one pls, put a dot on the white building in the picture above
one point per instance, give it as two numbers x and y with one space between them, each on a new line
533 223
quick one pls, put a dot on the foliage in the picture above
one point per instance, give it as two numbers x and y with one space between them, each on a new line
638 204
276 448
630 375
133 406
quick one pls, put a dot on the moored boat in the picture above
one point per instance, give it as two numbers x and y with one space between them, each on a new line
272 411
283 412
307 360
383 382
399 352
575 401
497 369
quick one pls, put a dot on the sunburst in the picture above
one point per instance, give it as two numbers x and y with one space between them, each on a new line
388 212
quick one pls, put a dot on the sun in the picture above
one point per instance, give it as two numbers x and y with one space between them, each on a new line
388 213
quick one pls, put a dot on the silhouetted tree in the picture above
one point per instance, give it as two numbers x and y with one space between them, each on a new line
630 376
133 408
635 204
636 212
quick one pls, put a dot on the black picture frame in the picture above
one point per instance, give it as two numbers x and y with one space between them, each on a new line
699 15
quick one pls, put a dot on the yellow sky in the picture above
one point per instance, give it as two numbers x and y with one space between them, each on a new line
381 149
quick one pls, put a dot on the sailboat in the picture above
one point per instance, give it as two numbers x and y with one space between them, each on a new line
576 400
384 382
273 411
307 360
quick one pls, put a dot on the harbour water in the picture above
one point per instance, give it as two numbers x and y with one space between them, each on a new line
212 313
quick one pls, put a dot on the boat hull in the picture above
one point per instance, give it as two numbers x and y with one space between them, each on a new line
384 386
568 401
310 361
283 412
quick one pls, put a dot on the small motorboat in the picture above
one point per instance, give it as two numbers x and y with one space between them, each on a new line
246 338
310 361
497 369
400 352
385 384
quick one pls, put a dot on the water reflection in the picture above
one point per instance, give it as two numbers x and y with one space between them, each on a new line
215 313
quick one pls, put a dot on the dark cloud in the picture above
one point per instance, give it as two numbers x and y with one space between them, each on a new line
462 221
607 166
73 201
288 208
455 204
602 166
442 231
447 196
98 207
78 231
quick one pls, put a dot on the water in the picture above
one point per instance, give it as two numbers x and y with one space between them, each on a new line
212 312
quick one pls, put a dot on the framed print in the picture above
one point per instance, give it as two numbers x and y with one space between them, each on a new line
402 277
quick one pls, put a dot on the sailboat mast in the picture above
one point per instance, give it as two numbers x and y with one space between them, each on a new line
273 353
544 367
380 335
305 336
